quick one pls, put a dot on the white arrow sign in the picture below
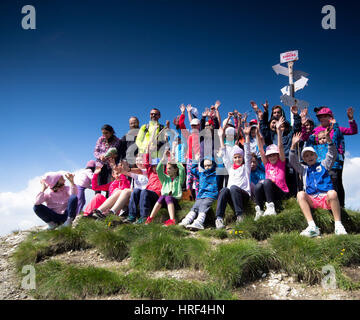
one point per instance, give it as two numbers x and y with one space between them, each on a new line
298 85
290 101
279 69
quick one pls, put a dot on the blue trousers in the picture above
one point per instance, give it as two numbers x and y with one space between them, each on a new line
145 199
81 199
48 215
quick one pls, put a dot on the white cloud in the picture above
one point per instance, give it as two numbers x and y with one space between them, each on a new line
16 208
351 182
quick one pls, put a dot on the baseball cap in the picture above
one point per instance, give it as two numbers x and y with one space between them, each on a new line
273 148
307 149
195 122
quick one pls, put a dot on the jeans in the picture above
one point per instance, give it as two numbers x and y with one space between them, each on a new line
48 215
268 191
146 199
202 205
235 196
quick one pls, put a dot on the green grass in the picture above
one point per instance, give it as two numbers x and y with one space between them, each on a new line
56 280
227 265
239 262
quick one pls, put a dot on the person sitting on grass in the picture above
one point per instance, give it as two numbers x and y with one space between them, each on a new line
319 191
114 189
237 191
146 198
274 186
208 193
171 190
61 201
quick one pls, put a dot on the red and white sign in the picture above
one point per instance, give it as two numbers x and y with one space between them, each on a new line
289 56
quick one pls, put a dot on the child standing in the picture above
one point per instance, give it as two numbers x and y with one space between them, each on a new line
237 191
171 190
274 186
61 201
208 193
319 191
83 181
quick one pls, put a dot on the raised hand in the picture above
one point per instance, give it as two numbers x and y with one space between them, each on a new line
69 176
294 109
266 105
168 124
247 130
296 138
217 104
350 113
44 185
280 124
182 108
230 114
189 107
254 106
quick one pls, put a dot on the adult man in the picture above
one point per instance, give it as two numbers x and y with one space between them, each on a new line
126 150
146 130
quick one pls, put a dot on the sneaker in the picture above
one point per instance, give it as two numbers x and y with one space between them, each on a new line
141 220
111 212
240 219
219 223
67 223
340 230
123 212
185 222
170 222
311 232
130 219
98 215
51 225
270 209
258 213
196 225
148 220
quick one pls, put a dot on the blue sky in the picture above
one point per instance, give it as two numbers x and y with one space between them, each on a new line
94 62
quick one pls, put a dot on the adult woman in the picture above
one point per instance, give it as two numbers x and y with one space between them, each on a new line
104 143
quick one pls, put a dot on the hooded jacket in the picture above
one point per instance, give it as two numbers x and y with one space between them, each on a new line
57 201
207 181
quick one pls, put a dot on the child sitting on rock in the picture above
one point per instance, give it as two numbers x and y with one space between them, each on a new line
319 191
208 193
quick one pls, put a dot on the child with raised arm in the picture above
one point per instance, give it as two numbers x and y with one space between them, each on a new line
61 201
238 190
274 186
171 190
208 193
319 191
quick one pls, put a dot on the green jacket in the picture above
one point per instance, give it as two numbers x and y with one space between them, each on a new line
143 137
175 186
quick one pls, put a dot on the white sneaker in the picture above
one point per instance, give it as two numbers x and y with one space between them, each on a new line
311 232
340 230
185 222
240 219
270 209
51 225
195 225
258 213
219 223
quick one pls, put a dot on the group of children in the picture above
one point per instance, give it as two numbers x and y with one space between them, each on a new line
229 163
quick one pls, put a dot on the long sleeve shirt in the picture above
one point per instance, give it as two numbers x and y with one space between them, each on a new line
171 185
102 146
121 184
56 201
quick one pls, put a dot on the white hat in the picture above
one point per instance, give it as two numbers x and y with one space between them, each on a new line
307 149
195 122
230 131
237 150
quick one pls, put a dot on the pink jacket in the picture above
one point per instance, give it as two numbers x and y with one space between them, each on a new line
124 183
56 201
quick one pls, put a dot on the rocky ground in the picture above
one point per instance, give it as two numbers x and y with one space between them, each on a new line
272 285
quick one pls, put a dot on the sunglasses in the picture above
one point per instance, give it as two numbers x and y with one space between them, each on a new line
57 186
154 114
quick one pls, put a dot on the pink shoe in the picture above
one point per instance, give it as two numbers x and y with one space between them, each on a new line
170 222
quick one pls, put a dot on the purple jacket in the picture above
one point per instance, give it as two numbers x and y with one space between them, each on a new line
102 146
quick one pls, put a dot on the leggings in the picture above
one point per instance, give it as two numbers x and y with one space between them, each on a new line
268 191
336 178
235 196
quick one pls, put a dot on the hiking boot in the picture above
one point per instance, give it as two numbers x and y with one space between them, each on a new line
196 225
311 232
170 222
270 209
258 213
219 223
339 230
239 219
141 220
148 220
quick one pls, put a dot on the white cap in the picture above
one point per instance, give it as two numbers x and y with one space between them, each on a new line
229 122
230 131
195 122
307 149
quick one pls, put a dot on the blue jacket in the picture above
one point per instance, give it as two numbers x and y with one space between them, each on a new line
207 182
258 174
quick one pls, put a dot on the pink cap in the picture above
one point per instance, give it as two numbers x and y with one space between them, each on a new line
52 178
325 111
273 148
91 164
